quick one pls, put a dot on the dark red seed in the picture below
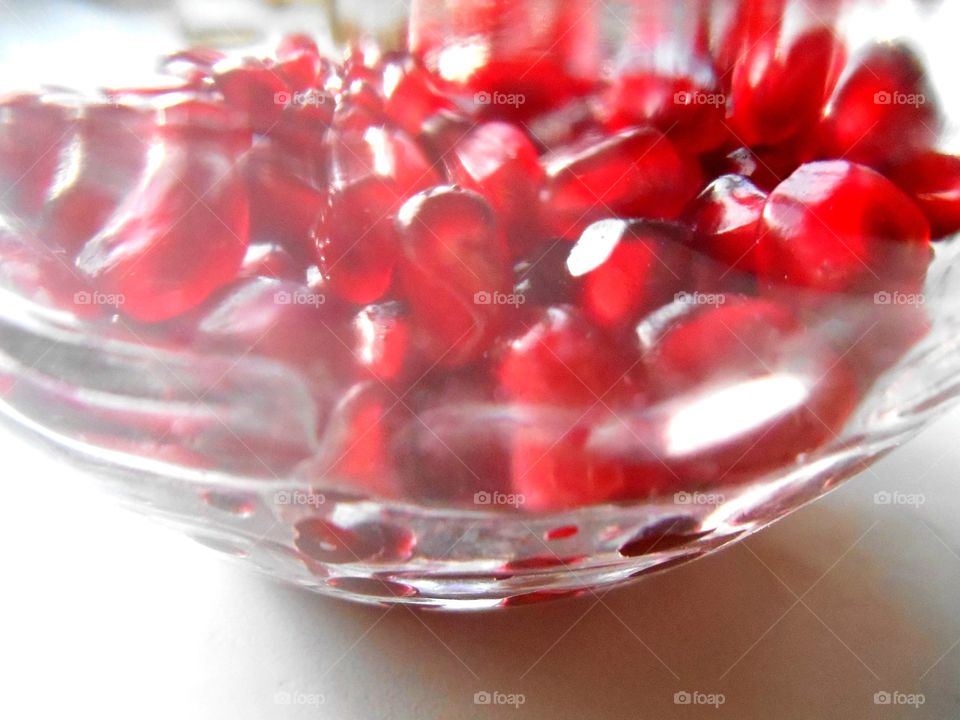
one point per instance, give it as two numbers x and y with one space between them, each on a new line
150 254
354 453
884 112
383 153
498 161
33 134
933 180
454 271
270 260
543 278
410 101
103 164
283 208
629 269
840 227
781 84
635 173
255 89
272 318
381 341
560 359
726 220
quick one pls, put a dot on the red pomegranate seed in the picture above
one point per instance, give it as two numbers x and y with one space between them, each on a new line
884 111
300 62
516 59
372 174
840 227
933 180
455 445
254 88
273 318
568 124
33 134
498 161
726 220
667 79
781 84
543 278
454 271
355 445
270 260
302 125
747 389
560 359
283 208
635 173
381 341
195 118
409 98
150 254
630 269
102 165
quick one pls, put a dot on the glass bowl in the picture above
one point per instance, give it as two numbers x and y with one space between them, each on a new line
574 448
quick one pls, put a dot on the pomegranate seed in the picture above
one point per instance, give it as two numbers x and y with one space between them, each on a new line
300 62
635 173
543 278
194 118
516 58
409 99
150 254
283 208
781 391
33 134
354 448
381 341
103 163
568 124
630 269
254 88
778 91
193 65
269 260
884 111
301 127
274 318
563 361
667 79
498 161
455 445
371 176
841 227
726 220
933 180
560 359
453 270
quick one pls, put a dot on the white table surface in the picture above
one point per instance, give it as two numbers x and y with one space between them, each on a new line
103 614
106 612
